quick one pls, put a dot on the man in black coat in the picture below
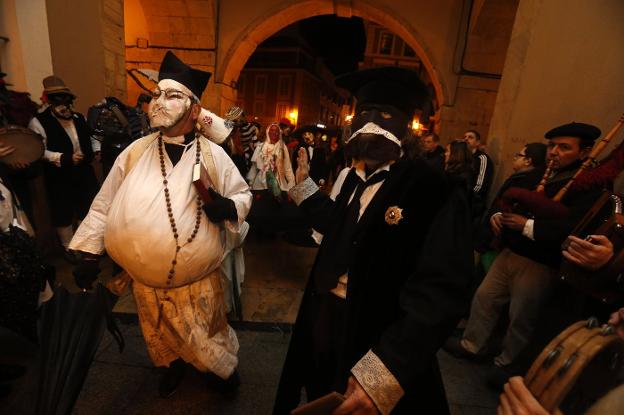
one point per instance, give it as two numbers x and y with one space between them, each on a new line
528 168
433 151
70 180
316 157
389 280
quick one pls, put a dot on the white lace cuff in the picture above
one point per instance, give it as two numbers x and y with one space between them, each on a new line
378 382
303 190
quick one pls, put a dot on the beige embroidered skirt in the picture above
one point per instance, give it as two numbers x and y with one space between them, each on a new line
191 325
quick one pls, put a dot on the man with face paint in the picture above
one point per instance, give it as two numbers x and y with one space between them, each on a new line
316 157
151 221
70 180
389 279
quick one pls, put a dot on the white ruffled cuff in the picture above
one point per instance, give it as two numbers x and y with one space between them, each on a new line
303 190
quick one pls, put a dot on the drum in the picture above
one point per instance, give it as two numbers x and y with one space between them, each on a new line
579 366
28 144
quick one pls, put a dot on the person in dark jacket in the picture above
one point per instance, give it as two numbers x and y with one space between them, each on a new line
388 283
483 170
458 164
523 273
70 181
528 168
433 151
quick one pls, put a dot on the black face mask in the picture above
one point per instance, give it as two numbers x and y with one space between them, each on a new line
374 148
385 116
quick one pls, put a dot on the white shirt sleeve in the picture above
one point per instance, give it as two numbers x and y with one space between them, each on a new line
96 145
528 229
50 156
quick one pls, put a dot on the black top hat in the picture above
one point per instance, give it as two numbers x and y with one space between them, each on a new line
402 88
173 68
586 132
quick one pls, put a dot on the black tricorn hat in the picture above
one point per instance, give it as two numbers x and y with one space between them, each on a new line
173 68
586 132
390 85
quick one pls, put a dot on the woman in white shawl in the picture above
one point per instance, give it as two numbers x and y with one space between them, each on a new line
271 168
270 177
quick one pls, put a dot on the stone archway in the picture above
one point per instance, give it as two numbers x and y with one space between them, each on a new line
273 20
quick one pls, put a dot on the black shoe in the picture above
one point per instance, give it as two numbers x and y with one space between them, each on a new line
225 386
171 379
454 347
497 376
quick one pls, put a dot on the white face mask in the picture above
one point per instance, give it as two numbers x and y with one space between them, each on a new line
168 109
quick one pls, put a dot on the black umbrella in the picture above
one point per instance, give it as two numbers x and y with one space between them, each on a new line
71 328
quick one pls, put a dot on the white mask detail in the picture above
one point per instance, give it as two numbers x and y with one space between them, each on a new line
372 128
167 113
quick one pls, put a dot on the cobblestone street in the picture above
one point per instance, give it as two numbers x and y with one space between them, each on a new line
126 383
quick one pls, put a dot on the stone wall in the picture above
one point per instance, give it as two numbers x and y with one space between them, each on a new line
558 73
185 26
114 56
87 50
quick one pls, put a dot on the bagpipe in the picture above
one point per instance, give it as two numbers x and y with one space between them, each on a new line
607 284
116 123
535 204
576 368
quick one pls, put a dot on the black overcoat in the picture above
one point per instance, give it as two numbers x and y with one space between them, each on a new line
406 290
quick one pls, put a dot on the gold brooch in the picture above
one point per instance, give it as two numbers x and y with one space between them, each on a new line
393 215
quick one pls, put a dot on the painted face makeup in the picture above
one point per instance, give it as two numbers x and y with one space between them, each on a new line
308 138
62 105
273 134
170 103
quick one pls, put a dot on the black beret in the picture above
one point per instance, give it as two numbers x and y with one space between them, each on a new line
173 68
586 132
402 88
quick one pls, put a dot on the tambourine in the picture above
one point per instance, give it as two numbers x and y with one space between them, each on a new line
28 144
579 366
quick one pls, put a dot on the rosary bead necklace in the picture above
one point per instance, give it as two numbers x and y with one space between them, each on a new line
172 222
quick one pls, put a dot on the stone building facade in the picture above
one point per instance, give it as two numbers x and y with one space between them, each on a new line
508 68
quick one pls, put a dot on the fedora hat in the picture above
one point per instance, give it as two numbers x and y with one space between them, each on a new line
55 85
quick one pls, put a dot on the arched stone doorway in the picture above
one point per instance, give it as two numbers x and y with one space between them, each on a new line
276 19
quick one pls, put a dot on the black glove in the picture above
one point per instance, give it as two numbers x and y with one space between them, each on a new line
85 272
220 209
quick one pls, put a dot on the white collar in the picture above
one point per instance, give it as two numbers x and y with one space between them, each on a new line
362 174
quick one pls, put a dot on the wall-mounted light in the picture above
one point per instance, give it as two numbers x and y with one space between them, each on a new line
293 116
348 118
